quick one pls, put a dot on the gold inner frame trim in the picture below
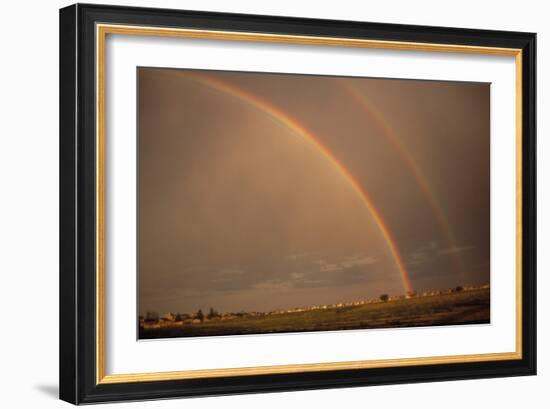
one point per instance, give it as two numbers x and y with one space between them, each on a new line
101 33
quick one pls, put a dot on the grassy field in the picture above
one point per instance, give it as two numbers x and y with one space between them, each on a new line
466 307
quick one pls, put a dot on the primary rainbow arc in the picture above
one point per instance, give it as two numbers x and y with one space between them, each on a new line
291 123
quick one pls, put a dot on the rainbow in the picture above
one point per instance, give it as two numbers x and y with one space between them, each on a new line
409 161
292 124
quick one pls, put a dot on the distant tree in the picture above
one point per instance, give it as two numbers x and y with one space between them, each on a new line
212 314
384 297
178 318
458 289
200 315
152 316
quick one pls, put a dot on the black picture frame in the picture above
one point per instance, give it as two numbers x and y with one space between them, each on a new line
78 308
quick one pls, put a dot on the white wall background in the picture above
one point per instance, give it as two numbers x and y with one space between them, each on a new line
29 202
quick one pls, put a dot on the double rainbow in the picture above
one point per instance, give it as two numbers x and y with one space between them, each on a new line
408 160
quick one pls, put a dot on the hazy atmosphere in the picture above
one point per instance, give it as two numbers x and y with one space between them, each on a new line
266 191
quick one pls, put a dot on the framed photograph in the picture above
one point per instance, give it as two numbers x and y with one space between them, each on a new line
257 203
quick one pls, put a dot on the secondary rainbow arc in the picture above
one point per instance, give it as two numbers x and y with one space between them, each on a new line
411 164
293 124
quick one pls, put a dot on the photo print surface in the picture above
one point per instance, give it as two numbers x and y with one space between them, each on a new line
272 203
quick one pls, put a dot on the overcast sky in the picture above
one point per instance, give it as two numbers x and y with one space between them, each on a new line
238 211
